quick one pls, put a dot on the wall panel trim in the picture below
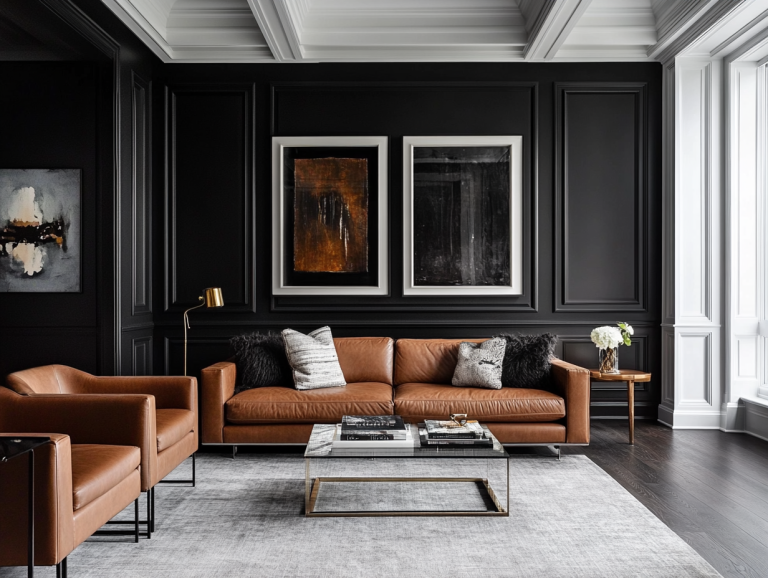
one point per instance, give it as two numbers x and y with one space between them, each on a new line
562 266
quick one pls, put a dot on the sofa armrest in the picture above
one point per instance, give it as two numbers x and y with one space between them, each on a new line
217 386
573 384
54 525
119 419
170 392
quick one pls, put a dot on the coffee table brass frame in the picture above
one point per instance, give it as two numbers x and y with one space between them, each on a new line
312 490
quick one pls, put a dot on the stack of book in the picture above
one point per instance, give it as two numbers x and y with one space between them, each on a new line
449 433
372 431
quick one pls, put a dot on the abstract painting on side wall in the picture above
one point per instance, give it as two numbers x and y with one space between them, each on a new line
464 204
330 216
40 230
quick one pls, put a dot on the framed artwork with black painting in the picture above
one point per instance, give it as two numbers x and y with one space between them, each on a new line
330 221
462 215
40 230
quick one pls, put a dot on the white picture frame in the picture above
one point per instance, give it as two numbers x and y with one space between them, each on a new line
515 144
279 208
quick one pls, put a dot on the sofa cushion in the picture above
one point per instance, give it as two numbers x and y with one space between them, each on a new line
172 426
96 469
365 358
427 360
527 360
479 364
419 401
313 359
261 361
326 405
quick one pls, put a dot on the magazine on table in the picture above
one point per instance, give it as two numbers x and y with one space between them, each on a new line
447 429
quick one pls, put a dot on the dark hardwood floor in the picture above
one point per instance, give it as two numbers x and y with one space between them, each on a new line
709 487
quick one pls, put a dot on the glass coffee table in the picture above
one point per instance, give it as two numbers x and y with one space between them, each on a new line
388 492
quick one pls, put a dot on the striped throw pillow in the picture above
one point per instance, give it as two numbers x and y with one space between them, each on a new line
313 359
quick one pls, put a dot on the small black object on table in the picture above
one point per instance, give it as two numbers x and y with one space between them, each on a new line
12 447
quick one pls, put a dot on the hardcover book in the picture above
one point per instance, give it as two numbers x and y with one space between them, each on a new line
338 443
425 440
372 422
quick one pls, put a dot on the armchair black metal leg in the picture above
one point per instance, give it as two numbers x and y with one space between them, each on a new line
152 521
61 569
136 520
192 481
149 515
194 473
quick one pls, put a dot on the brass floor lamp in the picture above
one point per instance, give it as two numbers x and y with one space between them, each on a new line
212 297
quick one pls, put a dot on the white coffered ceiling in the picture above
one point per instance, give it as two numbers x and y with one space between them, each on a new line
409 30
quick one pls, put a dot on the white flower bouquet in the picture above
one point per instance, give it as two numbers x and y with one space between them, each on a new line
608 338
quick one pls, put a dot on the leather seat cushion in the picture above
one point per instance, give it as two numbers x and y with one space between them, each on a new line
96 469
418 401
172 426
327 405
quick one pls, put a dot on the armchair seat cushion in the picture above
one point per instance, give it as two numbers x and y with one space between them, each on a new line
172 425
96 469
324 405
418 401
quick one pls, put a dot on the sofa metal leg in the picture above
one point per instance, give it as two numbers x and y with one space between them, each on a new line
234 452
557 449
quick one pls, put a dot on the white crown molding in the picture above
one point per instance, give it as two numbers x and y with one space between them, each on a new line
690 31
422 30
558 23
134 19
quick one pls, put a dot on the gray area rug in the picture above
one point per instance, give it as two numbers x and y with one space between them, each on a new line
245 518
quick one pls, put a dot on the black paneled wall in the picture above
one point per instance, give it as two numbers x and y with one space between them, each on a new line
49 116
592 211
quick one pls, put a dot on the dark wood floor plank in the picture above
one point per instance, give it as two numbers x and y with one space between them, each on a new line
694 481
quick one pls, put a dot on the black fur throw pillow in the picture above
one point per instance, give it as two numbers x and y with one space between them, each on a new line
527 361
261 361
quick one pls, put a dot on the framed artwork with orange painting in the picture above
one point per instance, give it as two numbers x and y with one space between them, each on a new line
330 216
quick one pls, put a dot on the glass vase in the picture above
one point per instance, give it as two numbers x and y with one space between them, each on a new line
608 360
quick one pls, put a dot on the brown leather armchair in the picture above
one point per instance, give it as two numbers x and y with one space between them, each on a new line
174 429
87 474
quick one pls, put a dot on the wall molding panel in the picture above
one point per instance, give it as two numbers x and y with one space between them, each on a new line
142 355
141 214
577 225
209 244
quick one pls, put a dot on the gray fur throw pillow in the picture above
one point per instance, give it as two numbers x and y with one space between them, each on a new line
261 361
480 364
313 359
527 361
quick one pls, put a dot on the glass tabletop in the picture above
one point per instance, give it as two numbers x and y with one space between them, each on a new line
320 446
12 446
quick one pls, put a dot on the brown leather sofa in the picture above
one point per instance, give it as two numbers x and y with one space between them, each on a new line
409 378
87 474
170 437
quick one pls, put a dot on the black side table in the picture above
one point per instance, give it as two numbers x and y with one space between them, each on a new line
14 446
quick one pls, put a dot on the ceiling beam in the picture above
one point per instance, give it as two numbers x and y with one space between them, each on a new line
279 27
551 27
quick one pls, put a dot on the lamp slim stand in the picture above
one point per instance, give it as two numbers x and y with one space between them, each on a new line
186 326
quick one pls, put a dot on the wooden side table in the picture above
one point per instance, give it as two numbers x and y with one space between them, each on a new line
631 376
